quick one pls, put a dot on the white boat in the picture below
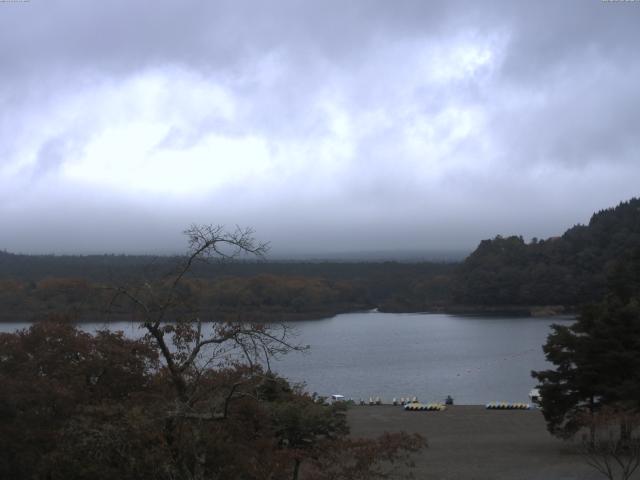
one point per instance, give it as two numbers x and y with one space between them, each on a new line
534 395
337 398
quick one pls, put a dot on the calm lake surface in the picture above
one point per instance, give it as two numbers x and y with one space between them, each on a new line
475 359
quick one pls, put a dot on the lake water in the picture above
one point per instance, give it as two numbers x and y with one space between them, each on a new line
475 359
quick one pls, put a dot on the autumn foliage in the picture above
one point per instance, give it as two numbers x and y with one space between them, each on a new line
75 406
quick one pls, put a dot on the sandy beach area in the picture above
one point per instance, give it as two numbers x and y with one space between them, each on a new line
471 443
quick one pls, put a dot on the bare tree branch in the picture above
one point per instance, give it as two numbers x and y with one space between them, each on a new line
162 304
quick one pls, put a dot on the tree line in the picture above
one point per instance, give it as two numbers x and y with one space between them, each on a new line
35 286
569 270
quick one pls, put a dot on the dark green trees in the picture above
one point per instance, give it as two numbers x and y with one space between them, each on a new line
597 359
569 270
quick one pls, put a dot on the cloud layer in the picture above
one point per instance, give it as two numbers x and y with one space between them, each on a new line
328 127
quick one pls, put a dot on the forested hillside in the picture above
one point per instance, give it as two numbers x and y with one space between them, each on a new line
568 270
504 272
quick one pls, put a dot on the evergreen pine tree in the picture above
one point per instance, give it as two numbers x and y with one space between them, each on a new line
597 359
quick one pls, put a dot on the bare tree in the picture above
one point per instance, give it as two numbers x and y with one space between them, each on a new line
613 445
190 345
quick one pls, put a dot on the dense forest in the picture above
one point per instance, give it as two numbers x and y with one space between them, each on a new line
570 270
505 273
36 286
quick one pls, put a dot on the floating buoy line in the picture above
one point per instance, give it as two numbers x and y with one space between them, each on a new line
495 362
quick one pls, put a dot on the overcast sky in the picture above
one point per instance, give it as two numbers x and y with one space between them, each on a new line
328 126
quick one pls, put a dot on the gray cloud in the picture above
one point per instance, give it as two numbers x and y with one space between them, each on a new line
329 126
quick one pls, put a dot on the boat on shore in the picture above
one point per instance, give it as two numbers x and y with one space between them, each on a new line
534 396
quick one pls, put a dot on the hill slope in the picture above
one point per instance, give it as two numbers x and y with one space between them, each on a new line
569 270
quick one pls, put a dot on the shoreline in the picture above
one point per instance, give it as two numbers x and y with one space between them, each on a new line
272 317
500 310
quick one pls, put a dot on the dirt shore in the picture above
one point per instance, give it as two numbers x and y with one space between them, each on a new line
472 443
